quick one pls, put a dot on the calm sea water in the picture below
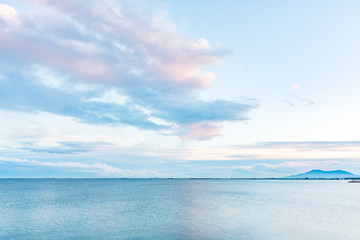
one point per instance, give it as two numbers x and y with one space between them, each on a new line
178 209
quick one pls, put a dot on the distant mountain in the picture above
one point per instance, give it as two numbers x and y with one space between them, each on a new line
325 174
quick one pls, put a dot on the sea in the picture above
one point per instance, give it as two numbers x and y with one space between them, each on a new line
179 209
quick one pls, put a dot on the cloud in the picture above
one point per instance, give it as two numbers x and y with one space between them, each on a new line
283 167
295 86
295 100
109 43
66 147
201 131
101 169
110 62
8 17
308 145
301 164
296 150
22 94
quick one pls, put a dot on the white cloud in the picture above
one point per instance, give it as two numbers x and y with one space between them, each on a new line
248 168
301 164
295 100
295 86
9 16
107 39
288 166
101 169
111 96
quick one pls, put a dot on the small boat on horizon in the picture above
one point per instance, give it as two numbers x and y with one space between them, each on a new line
354 181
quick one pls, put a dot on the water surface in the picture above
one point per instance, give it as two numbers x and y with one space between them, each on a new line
178 209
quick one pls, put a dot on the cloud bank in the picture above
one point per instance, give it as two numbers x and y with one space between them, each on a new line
101 169
110 62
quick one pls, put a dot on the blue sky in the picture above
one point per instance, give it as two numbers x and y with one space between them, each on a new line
178 88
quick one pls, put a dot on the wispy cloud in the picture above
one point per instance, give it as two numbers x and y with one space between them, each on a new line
66 58
66 147
295 100
301 164
101 169
312 144
280 169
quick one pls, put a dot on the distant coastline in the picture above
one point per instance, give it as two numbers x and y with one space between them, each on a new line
315 174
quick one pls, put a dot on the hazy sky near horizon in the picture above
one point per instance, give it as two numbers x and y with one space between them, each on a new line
171 88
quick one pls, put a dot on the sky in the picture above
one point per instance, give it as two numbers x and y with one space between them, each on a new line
166 88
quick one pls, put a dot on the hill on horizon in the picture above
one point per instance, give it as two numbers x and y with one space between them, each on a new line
317 173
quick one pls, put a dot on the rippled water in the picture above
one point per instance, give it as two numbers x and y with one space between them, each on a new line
178 209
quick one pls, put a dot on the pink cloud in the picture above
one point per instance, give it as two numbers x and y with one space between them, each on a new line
96 29
201 131
8 16
130 46
295 86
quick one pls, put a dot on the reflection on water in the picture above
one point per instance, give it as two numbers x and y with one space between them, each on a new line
178 209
